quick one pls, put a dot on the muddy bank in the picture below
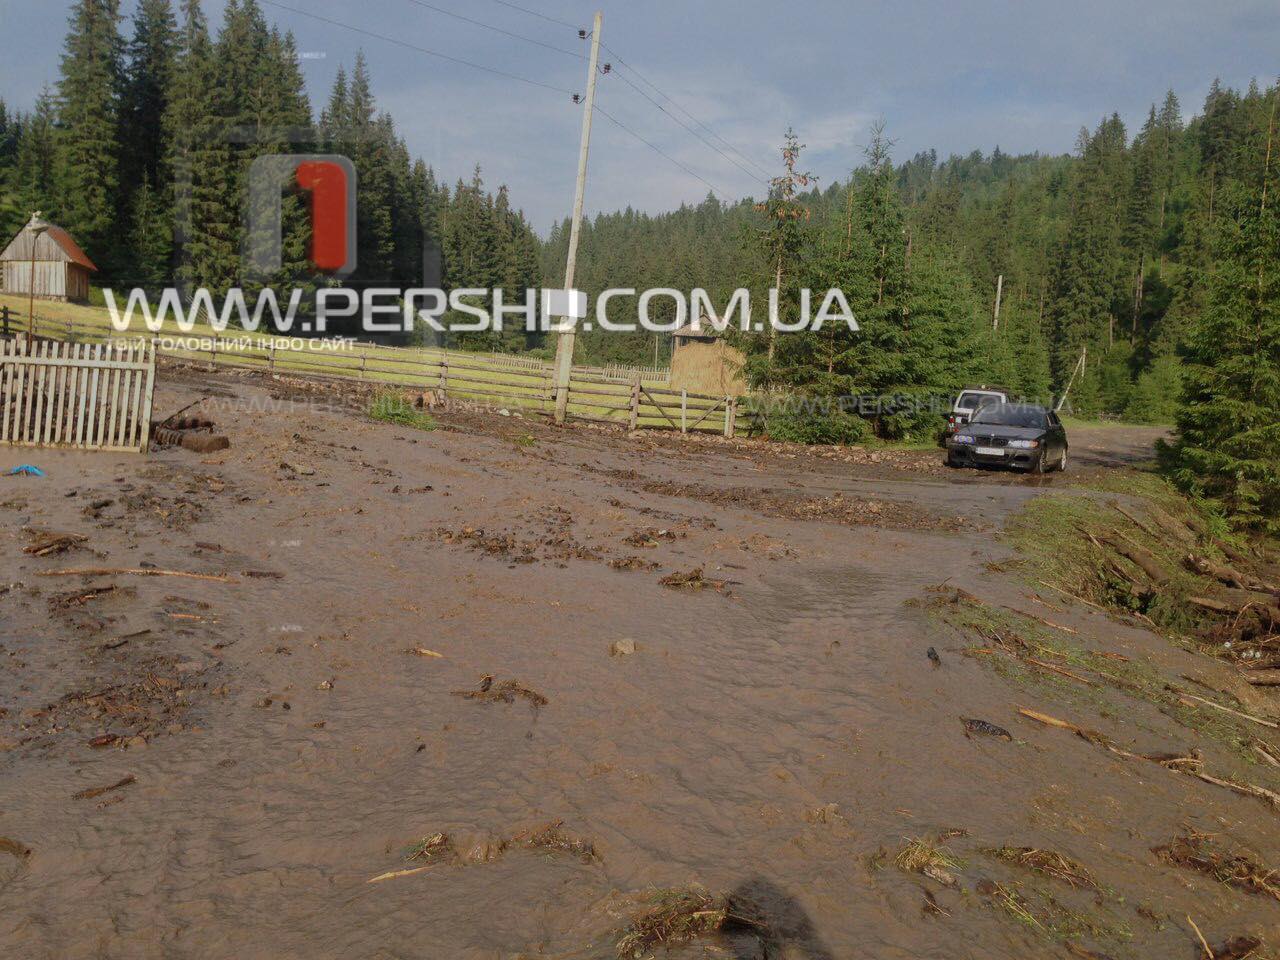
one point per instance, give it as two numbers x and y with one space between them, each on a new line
267 745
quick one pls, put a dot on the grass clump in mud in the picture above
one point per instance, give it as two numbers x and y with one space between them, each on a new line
392 407
683 914
1047 863
1195 851
1049 917
929 856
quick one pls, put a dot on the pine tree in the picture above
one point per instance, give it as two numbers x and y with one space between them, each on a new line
89 131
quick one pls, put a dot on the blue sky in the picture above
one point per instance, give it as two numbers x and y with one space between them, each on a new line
952 76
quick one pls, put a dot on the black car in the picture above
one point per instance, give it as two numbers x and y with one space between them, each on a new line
1019 435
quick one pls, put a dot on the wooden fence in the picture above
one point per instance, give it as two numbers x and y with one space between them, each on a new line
88 396
526 384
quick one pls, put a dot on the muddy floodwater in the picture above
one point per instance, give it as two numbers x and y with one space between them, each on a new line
407 633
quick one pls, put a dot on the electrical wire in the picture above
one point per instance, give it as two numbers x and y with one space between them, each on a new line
535 13
410 46
614 120
750 173
762 172
496 29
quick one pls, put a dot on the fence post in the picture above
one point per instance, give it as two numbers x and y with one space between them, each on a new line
363 358
684 410
213 352
271 358
635 402
730 415
4 317
444 375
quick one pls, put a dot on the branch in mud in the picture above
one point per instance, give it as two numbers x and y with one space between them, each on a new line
1189 764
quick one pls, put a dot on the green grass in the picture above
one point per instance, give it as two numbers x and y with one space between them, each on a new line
392 407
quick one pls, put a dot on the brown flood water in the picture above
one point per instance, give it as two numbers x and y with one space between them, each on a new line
287 746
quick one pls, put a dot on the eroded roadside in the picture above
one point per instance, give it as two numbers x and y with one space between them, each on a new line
451 657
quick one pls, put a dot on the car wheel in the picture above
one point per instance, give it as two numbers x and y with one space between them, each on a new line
951 461
1040 466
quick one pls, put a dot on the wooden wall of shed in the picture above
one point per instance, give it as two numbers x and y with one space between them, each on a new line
51 278
46 248
708 367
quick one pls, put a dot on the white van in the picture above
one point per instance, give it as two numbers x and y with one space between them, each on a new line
969 400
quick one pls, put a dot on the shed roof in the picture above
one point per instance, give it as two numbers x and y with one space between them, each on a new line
54 244
700 328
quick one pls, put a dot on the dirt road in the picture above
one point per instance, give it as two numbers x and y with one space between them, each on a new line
277 739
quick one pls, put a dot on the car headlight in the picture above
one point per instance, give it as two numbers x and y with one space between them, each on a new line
1024 444
962 438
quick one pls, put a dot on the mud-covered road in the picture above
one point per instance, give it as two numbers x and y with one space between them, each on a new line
278 736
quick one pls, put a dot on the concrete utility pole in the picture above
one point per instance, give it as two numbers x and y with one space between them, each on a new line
995 319
564 345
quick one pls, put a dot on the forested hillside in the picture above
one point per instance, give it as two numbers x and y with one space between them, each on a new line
143 150
1107 249
1142 271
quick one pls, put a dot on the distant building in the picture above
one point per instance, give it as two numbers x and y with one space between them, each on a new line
702 362
61 268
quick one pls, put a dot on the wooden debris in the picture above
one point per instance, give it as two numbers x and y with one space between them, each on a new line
504 692
90 792
54 543
14 848
692 580
1189 764
1235 713
1239 869
134 572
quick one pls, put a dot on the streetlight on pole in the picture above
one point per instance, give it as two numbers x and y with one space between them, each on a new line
38 228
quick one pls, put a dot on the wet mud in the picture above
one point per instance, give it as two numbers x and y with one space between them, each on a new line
576 696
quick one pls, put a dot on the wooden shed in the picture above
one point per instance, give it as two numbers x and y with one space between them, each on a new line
702 362
61 268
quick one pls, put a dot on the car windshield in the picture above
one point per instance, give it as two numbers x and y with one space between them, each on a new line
970 401
1010 415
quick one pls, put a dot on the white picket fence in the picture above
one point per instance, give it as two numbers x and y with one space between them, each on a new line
92 396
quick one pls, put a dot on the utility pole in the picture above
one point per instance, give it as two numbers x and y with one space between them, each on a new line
564 345
1077 369
995 318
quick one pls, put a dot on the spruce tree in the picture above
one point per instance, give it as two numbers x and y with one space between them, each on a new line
89 131
148 81
1228 441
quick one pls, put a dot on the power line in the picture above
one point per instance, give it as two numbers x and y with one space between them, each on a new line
496 29
675 103
430 53
750 173
535 13
618 123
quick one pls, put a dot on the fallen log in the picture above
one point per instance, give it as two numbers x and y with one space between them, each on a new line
1142 558
1228 575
